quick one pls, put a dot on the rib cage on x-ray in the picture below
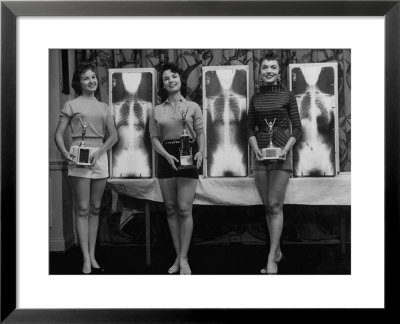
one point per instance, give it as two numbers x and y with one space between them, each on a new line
226 151
314 87
130 156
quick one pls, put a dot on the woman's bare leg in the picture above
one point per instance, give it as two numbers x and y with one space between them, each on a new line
81 191
168 188
278 181
186 192
96 194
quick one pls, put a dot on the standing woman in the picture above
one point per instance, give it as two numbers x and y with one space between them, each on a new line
178 187
273 104
88 182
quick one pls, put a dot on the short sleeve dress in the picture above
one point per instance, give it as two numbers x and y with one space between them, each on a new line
97 115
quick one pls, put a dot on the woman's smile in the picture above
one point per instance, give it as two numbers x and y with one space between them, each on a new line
172 81
269 71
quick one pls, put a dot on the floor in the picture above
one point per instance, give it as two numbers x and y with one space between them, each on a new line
210 259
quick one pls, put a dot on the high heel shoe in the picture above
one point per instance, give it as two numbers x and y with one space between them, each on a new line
279 257
184 269
265 270
97 270
86 273
174 269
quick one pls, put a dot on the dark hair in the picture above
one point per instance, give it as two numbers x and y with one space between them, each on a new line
270 56
162 92
76 79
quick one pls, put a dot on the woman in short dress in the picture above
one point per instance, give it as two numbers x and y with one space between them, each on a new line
88 182
275 105
178 187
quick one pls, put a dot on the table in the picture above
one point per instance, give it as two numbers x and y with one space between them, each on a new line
242 192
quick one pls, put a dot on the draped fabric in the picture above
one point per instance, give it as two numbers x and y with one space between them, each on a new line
191 61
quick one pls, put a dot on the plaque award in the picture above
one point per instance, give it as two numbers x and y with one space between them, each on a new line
185 149
272 152
82 153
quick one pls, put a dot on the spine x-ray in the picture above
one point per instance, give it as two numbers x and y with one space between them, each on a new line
131 100
315 87
225 98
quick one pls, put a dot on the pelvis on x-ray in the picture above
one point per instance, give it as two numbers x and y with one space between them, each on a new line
315 87
131 101
225 100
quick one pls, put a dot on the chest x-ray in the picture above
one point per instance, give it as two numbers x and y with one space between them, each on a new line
315 87
131 99
225 97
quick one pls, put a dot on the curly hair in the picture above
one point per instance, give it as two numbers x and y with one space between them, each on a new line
76 79
270 56
162 92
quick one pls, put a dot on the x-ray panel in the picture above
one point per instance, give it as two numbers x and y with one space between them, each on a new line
132 95
316 90
225 99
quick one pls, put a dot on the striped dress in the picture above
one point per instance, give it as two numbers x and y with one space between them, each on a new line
273 101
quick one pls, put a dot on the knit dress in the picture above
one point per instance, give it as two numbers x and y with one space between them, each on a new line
273 102
97 115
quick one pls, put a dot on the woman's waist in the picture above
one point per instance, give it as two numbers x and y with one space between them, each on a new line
266 129
278 138
89 141
176 141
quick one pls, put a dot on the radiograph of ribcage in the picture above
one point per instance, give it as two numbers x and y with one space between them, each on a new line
314 154
226 151
131 154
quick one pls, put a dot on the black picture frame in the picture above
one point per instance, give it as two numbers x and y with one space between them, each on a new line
10 10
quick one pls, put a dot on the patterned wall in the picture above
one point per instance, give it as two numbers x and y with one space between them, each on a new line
302 223
191 61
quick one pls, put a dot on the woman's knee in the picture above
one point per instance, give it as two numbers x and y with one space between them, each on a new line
170 208
185 211
95 209
83 210
275 208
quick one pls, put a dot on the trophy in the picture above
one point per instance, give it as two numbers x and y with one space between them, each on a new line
272 152
82 153
185 150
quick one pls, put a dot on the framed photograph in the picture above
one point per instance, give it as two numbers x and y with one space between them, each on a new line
29 294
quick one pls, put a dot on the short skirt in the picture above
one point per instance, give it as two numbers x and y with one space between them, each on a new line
269 165
97 171
165 170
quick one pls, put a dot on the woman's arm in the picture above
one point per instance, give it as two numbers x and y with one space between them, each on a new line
288 145
254 146
296 123
250 125
294 117
59 139
155 141
201 142
111 139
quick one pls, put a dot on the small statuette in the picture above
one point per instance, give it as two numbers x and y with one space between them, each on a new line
185 149
82 153
272 152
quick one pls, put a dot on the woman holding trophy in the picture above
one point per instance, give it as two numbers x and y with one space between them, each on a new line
176 130
93 133
270 114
